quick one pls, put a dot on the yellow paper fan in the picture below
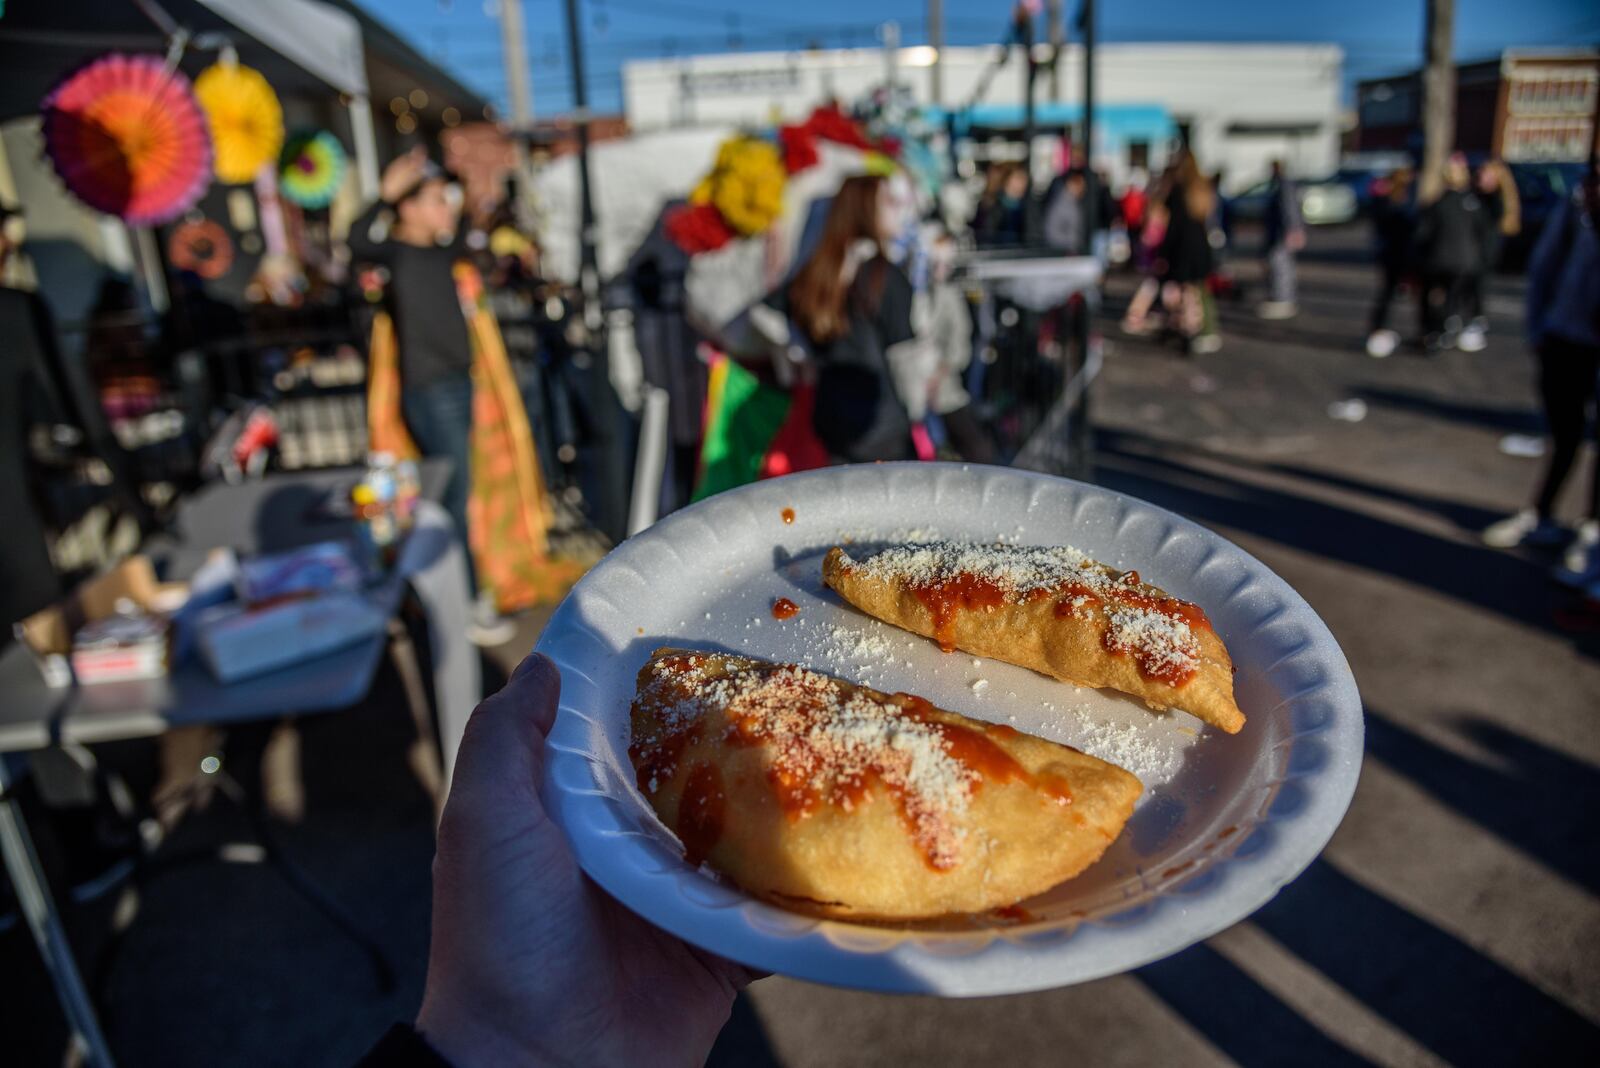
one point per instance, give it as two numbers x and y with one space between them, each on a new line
246 119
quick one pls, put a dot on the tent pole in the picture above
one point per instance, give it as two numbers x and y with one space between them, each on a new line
366 144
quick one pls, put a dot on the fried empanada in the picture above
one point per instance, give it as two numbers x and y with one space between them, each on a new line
836 800
1053 610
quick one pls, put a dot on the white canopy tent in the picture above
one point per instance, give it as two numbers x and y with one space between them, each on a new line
298 44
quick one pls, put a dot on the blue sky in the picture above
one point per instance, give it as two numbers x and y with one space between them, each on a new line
1379 36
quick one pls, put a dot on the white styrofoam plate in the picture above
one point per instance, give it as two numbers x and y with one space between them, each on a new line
1224 822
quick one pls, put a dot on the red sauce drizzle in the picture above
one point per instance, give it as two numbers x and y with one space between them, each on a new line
701 811
788 515
1126 595
657 761
1014 912
969 592
975 750
783 608
945 599
702 805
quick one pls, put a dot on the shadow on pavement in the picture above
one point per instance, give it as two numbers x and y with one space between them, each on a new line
1441 992
1426 982
1496 581
742 1042
1468 517
1506 420
1243 1019
1533 806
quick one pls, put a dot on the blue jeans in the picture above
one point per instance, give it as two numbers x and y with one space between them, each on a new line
1280 273
439 417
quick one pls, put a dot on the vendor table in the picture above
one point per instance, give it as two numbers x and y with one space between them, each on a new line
1052 419
271 514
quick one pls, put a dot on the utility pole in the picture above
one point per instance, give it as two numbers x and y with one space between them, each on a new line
1438 97
936 41
612 491
513 45
1056 36
519 87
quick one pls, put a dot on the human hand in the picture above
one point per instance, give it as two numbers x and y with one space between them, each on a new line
403 172
530 963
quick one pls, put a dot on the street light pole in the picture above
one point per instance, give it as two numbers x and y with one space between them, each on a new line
588 262
936 40
612 488
1053 34
1081 434
1030 77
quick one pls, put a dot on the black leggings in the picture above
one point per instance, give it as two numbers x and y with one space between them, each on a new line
969 437
1442 295
1567 373
1388 286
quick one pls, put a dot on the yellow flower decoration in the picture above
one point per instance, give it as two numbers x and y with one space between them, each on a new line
745 185
879 164
246 119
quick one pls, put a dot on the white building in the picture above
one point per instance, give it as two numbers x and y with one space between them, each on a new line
1239 105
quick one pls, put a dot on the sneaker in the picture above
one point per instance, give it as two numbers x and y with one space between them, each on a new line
1580 564
1524 446
1471 340
1382 344
488 626
1524 528
1278 309
1205 344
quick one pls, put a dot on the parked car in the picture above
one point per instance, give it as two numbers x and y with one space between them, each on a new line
1541 187
1323 202
1362 170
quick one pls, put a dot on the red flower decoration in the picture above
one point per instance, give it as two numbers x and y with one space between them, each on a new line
831 124
799 146
697 228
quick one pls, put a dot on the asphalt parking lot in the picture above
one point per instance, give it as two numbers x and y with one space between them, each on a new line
1454 918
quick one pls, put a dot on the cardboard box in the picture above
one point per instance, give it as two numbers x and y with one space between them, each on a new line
49 633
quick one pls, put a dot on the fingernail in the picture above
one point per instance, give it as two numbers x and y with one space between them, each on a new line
528 663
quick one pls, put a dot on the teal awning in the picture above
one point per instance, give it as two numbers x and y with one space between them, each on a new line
1118 122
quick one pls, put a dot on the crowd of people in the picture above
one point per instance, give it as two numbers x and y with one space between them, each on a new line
1445 248
1436 250
1175 229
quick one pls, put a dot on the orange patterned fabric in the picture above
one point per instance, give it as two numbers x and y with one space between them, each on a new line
386 427
508 512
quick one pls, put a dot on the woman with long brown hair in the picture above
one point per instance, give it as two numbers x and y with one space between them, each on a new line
851 305
1503 218
1183 259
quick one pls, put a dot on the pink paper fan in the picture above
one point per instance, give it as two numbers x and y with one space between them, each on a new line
128 138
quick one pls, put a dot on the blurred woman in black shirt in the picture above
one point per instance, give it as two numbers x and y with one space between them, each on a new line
414 232
851 305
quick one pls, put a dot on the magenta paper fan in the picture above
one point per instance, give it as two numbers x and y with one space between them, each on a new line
128 138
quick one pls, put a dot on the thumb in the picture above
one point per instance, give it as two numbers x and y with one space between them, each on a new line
501 750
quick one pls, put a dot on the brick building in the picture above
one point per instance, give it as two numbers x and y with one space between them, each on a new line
1526 105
